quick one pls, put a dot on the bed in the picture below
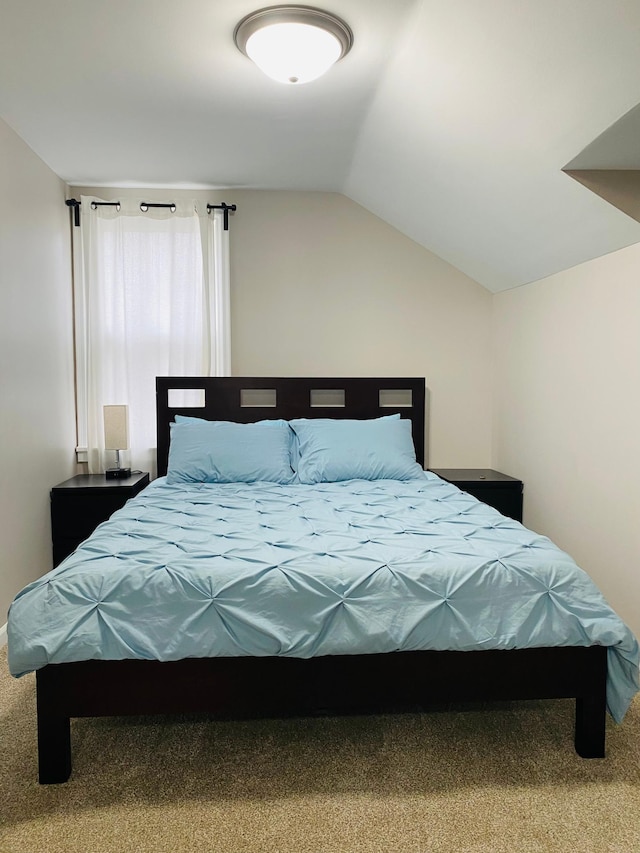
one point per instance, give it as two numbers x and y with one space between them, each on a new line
322 593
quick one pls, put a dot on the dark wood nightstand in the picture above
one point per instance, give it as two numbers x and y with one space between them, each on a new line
80 504
500 491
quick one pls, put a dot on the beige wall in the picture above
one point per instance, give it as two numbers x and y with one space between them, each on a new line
37 427
322 287
567 414
329 289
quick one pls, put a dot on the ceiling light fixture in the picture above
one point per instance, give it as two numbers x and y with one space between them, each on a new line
293 44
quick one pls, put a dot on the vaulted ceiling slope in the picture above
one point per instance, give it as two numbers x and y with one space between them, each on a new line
450 119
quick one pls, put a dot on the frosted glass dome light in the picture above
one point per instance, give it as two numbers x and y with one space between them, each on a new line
293 44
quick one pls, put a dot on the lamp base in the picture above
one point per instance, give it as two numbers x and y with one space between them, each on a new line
117 473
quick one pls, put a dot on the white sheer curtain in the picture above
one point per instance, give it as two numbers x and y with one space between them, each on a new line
153 299
215 251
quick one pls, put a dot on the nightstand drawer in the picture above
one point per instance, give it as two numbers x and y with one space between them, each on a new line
507 501
77 516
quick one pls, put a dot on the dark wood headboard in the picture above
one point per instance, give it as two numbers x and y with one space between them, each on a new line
247 399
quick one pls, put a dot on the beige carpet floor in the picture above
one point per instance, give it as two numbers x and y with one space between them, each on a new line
496 779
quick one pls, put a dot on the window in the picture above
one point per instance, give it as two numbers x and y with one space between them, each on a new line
151 299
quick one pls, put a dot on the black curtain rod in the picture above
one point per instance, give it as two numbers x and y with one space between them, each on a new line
145 205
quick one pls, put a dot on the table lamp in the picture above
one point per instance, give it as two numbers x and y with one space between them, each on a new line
116 437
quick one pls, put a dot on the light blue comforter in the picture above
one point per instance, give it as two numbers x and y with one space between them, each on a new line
338 568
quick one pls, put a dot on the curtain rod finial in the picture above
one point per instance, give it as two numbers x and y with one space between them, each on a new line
75 204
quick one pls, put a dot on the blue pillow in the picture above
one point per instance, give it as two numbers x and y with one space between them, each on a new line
224 452
295 443
335 450
293 447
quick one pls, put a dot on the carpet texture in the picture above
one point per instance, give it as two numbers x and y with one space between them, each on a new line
501 778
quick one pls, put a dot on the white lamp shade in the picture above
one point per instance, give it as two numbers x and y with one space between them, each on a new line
116 427
293 53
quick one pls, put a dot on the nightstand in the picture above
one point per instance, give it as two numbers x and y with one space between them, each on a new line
80 504
500 491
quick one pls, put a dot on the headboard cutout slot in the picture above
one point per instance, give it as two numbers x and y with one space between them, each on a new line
260 398
181 398
326 398
395 398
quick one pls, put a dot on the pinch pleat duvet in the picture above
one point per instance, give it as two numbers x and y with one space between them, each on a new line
354 567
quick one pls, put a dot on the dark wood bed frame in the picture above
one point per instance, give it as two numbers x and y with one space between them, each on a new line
279 686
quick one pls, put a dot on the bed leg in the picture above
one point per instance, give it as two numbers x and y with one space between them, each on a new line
590 726
54 739
54 749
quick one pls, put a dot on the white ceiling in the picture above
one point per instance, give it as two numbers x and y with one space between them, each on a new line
450 119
